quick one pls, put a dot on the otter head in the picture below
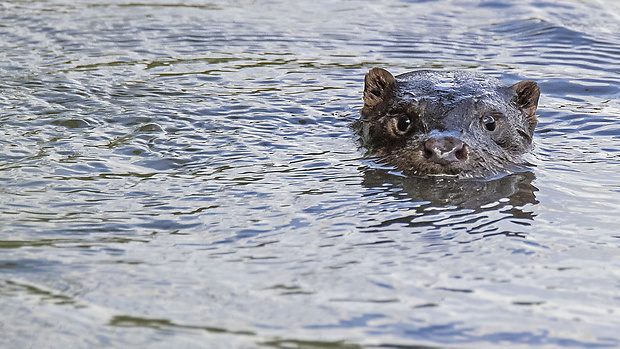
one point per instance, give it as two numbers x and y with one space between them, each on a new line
448 123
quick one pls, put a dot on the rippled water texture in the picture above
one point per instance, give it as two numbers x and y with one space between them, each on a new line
184 174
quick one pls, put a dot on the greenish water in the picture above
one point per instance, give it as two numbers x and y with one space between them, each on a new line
184 174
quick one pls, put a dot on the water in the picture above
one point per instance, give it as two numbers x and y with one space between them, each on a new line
184 174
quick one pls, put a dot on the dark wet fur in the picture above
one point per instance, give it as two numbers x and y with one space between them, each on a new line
447 105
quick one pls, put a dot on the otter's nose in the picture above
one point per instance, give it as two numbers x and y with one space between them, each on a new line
445 150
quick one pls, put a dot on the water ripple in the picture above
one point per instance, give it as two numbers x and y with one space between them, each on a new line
189 169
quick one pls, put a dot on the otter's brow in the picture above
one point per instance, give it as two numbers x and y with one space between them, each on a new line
403 108
492 112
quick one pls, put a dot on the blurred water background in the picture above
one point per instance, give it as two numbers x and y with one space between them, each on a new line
184 174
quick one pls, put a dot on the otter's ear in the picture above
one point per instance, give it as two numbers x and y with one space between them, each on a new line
527 99
379 86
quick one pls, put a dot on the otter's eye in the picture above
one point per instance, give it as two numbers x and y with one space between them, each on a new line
403 123
489 122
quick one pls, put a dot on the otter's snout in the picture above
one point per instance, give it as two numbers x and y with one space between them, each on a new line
445 150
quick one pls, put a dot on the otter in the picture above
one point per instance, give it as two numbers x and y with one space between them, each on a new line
457 123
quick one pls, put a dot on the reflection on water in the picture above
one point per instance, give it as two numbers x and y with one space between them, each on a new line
478 195
445 202
179 174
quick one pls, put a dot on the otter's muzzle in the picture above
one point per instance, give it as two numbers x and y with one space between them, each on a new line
445 150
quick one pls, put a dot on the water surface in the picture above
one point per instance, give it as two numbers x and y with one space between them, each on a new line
184 174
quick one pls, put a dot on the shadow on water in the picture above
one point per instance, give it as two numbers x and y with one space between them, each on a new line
132 321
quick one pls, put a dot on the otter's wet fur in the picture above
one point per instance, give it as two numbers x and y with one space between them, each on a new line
457 123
